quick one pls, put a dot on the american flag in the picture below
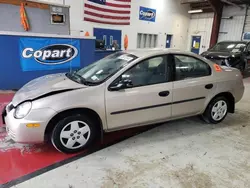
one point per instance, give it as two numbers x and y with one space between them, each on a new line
113 12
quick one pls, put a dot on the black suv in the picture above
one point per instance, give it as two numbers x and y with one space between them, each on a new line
230 53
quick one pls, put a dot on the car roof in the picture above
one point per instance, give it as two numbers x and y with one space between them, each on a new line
156 51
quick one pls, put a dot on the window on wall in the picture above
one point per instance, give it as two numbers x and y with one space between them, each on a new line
146 40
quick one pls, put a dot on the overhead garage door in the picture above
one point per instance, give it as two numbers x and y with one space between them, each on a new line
247 22
232 23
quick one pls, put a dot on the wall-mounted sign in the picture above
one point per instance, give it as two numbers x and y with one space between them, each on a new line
48 53
57 15
56 9
147 14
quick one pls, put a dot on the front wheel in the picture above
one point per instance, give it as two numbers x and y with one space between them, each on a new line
73 134
216 111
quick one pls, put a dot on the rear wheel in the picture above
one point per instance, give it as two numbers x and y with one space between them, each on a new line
73 134
216 111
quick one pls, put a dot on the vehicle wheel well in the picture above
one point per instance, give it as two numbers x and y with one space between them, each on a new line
230 99
86 111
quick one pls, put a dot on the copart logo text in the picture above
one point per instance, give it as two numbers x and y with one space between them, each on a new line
148 14
52 55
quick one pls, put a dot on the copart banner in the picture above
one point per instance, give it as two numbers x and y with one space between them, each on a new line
49 53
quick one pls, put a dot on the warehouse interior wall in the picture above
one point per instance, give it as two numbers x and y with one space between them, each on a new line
232 23
171 18
39 19
201 25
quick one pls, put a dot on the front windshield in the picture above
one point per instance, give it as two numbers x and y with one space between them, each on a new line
228 47
102 69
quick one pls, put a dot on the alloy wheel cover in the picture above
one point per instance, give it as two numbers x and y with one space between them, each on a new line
75 134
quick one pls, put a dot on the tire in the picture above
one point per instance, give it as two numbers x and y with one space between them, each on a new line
218 105
242 66
73 134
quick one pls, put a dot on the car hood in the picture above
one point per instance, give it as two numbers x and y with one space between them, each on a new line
220 55
45 85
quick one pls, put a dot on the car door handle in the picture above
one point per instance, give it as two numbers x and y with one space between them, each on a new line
209 86
164 93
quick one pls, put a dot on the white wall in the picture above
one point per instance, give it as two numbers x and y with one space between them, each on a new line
201 25
171 18
232 29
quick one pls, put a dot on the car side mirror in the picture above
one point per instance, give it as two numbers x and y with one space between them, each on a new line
123 84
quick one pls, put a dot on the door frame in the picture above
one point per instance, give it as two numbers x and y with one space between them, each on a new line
191 42
168 80
204 41
167 39
188 80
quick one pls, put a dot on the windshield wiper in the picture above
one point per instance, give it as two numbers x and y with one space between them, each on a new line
82 80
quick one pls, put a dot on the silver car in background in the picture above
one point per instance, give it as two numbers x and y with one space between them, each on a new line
126 89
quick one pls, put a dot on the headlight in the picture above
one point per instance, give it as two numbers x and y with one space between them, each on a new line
22 110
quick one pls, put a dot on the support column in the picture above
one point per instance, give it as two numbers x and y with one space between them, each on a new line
218 8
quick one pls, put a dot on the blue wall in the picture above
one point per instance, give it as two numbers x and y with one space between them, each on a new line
11 74
110 35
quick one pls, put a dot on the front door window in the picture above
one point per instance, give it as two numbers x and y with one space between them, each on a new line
148 72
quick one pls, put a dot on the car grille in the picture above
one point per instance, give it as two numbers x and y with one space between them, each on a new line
10 107
4 113
6 110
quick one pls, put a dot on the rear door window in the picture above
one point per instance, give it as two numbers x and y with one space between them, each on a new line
187 67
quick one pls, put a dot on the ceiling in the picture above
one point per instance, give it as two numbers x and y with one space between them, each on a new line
206 6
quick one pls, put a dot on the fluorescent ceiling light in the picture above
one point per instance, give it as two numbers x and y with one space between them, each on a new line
195 11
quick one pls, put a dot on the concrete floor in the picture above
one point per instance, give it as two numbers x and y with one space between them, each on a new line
186 153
